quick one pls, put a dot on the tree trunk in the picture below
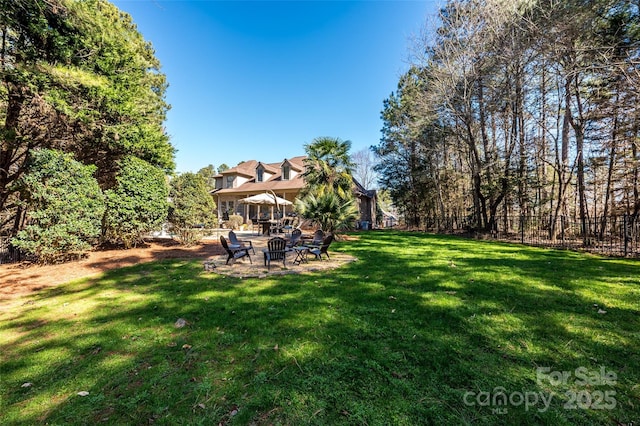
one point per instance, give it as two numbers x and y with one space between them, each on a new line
578 128
563 167
608 193
8 147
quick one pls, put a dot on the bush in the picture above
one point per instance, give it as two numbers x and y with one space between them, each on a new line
328 211
234 222
138 202
191 205
64 207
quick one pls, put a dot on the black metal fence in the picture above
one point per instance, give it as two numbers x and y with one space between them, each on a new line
610 235
9 253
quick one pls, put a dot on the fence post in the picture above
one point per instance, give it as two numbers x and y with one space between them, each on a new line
562 219
521 229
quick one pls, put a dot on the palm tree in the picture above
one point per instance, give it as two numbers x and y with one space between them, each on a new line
328 167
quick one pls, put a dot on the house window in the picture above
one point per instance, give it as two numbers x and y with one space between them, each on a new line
286 172
260 174
229 181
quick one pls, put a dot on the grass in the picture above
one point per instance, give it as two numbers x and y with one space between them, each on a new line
421 330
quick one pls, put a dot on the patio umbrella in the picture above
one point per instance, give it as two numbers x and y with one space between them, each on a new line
265 199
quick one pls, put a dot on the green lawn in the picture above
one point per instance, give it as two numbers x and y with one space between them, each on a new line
421 330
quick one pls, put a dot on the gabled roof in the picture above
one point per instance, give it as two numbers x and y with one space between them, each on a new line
296 163
248 168
271 168
296 184
274 183
361 190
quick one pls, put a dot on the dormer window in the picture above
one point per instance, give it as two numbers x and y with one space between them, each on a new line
230 181
286 172
260 174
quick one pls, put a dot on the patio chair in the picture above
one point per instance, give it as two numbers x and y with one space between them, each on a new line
234 252
276 227
318 237
233 239
287 226
296 238
318 251
276 250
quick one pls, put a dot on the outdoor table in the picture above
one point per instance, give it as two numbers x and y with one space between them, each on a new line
265 225
301 254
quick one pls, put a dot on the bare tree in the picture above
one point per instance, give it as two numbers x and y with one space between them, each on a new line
363 170
512 105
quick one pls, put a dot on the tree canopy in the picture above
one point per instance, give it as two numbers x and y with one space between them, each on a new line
328 166
208 174
328 211
363 167
77 76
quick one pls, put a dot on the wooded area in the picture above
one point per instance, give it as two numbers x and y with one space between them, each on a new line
518 109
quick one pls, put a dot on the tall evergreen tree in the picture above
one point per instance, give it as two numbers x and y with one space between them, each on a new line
76 75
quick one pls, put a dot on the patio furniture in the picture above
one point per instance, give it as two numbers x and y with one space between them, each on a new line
301 254
234 252
275 227
288 226
235 242
255 226
269 199
318 236
265 226
276 250
296 238
318 251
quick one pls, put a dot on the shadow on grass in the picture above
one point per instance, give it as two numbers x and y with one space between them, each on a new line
21 279
399 337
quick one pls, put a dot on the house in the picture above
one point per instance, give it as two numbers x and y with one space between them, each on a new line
254 177
283 179
366 199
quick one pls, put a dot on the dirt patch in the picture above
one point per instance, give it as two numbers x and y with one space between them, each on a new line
19 279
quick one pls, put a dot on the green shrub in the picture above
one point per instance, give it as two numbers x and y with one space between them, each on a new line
191 206
328 211
64 207
137 204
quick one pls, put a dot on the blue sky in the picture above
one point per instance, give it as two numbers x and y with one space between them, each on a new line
260 79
